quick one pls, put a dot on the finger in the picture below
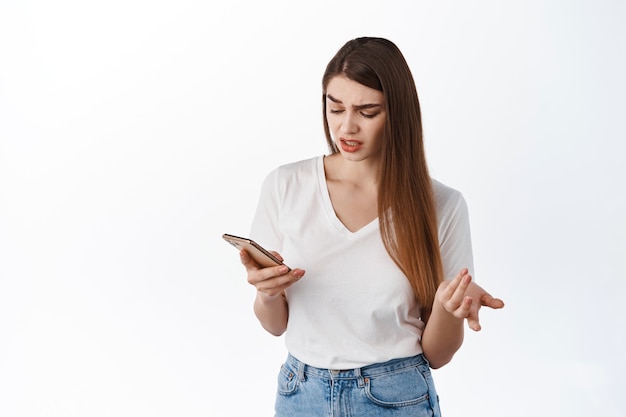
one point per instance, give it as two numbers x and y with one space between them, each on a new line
458 296
462 273
452 285
277 284
473 323
247 260
464 310
488 301
259 275
473 320
276 254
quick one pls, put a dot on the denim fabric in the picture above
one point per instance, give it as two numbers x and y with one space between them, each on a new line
400 388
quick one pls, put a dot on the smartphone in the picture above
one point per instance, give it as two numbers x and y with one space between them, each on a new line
261 255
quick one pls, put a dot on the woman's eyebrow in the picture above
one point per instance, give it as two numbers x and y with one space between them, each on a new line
357 107
333 99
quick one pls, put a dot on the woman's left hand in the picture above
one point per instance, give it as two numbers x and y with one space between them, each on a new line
462 297
480 298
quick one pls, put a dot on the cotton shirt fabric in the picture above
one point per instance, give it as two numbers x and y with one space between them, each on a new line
354 306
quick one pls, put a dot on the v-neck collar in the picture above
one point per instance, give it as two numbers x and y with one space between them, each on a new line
329 209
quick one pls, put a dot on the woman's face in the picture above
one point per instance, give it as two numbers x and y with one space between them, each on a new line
356 117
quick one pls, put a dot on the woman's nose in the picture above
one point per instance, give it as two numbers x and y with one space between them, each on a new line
348 123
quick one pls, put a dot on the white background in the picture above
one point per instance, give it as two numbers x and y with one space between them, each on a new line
134 133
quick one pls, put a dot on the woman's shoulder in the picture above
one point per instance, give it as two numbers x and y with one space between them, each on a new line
303 164
446 196
295 173
297 168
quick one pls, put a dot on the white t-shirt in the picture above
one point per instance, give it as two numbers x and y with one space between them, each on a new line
354 306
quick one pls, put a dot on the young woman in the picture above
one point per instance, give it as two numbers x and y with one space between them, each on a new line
386 250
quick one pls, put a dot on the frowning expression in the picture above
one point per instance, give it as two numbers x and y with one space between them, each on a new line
356 117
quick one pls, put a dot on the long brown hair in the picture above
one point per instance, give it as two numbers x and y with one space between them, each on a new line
406 207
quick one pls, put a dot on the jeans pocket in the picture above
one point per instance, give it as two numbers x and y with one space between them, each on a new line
401 388
287 380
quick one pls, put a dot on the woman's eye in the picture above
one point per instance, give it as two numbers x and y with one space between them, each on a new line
369 115
335 111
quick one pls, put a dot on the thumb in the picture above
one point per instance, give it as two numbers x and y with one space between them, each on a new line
488 301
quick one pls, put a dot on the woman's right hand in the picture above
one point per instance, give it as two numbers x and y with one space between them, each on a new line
271 281
270 305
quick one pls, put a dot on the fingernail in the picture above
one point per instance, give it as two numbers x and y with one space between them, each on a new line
283 269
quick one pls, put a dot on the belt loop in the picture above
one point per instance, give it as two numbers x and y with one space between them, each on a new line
301 366
359 377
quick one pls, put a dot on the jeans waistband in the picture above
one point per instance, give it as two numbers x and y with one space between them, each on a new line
373 370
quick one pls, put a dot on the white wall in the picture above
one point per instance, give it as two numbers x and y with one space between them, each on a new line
134 133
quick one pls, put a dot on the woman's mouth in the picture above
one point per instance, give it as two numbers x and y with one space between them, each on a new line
350 145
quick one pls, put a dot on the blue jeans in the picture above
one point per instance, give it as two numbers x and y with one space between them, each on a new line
400 388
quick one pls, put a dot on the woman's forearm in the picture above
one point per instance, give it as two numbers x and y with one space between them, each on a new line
442 337
272 312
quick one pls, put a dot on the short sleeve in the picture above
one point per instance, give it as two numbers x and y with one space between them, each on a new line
265 224
455 241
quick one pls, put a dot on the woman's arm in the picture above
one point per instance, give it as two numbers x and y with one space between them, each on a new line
272 312
455 301
443 334
270 304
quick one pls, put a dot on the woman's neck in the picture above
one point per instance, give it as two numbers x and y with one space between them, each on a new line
358 173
